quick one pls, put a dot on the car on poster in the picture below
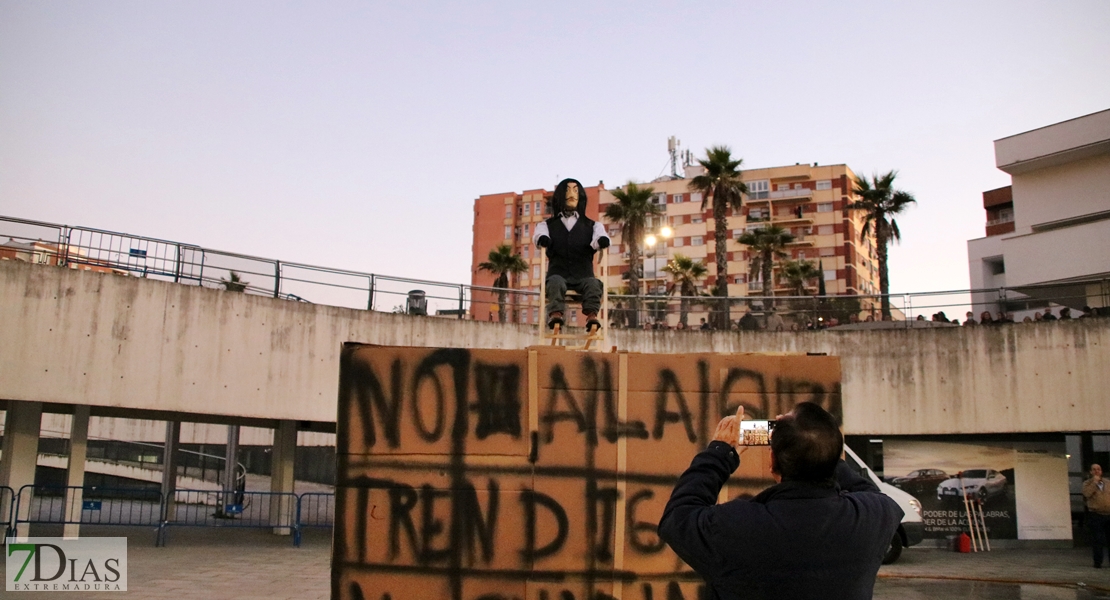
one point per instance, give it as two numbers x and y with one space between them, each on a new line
920 481
981 483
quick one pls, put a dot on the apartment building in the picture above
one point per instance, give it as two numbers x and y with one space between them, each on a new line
809 201
510 218
1048 233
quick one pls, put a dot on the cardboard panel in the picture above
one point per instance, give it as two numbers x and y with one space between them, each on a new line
537 473
433 401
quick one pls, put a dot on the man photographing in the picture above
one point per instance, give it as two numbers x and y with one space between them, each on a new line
821 532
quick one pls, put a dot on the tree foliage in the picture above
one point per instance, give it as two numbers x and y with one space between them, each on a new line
502 261
722 188
879 202
631 213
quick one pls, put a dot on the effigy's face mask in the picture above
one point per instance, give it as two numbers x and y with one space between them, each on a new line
571 204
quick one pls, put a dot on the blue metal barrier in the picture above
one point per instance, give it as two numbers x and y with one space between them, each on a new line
7 510
217 508
98 506
314 509
45 504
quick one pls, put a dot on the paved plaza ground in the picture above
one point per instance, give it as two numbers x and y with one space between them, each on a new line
245 564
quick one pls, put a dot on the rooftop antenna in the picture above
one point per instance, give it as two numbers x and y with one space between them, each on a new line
673 145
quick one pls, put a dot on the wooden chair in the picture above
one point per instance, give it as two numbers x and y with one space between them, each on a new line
574 341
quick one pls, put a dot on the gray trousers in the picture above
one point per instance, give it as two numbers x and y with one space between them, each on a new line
590 288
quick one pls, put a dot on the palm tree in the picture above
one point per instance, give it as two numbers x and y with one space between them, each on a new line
880 202
631 212
502 261
721 185
798 274
765 246
685 274
234 282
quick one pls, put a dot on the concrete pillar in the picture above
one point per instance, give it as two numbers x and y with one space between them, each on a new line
21 453
231 465
282 508
75 470
169 467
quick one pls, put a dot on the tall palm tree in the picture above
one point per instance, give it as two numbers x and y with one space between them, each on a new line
798 274
879 202
503 262
765 246
631 212
685 273
721 185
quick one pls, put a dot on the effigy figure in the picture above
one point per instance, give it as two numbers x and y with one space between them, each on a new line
571 239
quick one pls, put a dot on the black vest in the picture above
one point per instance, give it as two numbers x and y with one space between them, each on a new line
570 254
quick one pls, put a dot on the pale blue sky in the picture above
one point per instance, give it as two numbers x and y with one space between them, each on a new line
358 134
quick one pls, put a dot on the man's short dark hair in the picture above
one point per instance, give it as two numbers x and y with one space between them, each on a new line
806 444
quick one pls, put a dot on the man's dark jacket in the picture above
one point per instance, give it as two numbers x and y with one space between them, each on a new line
794 540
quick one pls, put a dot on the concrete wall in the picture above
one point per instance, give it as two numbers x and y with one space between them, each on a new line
1062 191
87 338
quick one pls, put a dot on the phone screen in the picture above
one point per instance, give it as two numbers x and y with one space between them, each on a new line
755 433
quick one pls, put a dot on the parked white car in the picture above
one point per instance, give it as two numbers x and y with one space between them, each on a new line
982 483
912 528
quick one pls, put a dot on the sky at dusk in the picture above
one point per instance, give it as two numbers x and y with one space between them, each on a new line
357 135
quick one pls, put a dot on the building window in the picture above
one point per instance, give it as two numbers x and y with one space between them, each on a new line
824 207
782 187
537 208
758 189
695 197
801 254
697 240
677 198
659 199
824 184
824 230
799 186
678 242
535 271
520 211
741 279
830 275
828 252
525 230
508 231
508 211
696 218
755 214
527 208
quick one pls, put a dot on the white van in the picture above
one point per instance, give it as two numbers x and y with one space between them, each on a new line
912 529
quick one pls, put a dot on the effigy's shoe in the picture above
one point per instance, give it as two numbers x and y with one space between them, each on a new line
592 325
553 320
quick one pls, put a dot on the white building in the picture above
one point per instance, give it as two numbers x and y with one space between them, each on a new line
1048 233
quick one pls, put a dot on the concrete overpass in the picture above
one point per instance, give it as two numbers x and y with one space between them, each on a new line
99 344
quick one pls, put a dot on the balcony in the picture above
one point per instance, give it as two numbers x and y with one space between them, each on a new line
802 240
780 194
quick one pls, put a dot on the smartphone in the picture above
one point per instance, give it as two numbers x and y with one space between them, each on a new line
756 433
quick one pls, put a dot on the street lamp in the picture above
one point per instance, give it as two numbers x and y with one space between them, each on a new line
653 240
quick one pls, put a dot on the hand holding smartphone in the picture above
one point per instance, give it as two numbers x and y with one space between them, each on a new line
756 433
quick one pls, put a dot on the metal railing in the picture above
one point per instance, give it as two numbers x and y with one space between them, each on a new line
7 510
188 264
314 509
91 505
218 508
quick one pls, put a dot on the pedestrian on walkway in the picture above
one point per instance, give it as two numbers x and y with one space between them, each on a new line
1097 494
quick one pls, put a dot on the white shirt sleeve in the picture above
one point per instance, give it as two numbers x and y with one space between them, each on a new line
540 229
599 232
